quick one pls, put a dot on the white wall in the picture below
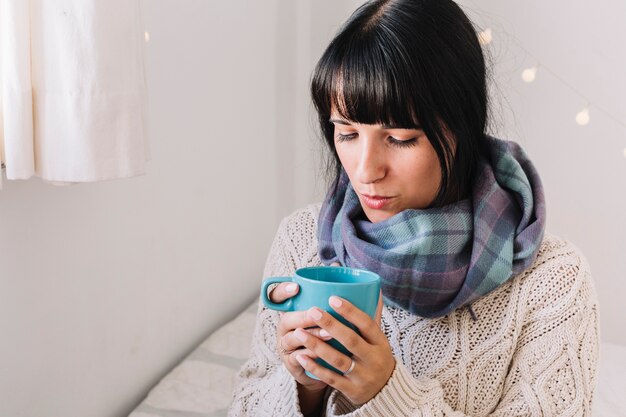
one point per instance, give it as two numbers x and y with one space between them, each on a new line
306 28
105 287
583 167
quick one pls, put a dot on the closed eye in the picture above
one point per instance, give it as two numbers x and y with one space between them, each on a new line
393 141
403 143
343 138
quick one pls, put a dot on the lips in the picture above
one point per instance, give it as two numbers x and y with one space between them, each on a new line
375 196
375 202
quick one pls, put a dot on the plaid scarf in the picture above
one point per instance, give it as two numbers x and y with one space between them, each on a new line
432 261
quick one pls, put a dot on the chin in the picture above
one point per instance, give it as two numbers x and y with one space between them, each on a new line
376 216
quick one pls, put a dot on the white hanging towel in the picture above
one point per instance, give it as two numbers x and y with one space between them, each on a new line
73 97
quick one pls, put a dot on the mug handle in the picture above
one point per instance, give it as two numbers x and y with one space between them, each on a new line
285 306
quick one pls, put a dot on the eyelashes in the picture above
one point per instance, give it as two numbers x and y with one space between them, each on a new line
393 141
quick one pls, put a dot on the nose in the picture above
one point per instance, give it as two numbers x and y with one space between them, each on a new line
371 166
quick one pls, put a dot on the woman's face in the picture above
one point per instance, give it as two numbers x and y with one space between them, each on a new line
389 162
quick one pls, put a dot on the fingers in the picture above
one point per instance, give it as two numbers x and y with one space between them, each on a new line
295 368
322 350
283 291
335 264
289 342
369 329
335 380
292 320
339 331
292 356
319 333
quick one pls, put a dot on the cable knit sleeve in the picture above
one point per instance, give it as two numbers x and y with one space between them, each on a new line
263 385
553 366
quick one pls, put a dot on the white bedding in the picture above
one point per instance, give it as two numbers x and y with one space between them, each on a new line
200 386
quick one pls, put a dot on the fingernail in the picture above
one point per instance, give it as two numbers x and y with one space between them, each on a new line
315 313
324 333
300 335
302 359
291 287
335 301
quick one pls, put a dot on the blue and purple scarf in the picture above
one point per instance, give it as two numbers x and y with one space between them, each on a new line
435 260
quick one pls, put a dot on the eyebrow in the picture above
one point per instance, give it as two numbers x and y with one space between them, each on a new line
344 122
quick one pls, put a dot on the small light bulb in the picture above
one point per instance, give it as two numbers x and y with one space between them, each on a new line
529 74
147 36
485 37
582 118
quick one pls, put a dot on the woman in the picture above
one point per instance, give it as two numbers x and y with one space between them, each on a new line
484 314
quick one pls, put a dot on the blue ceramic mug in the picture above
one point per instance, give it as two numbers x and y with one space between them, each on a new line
317 284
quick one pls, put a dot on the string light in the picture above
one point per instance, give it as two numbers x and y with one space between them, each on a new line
582 118
528 75
485 37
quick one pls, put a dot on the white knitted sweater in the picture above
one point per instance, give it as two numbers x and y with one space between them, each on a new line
532 352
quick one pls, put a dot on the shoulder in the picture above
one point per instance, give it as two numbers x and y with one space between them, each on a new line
298 233
559 254
301 221
559 278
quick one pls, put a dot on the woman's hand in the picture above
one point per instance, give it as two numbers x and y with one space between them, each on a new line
374 361
287 344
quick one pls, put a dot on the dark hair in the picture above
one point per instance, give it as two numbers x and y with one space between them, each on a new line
404 63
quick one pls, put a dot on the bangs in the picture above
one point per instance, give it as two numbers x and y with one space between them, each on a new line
366 82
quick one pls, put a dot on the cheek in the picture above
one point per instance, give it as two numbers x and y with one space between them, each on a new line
424 169
432 167
347 157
